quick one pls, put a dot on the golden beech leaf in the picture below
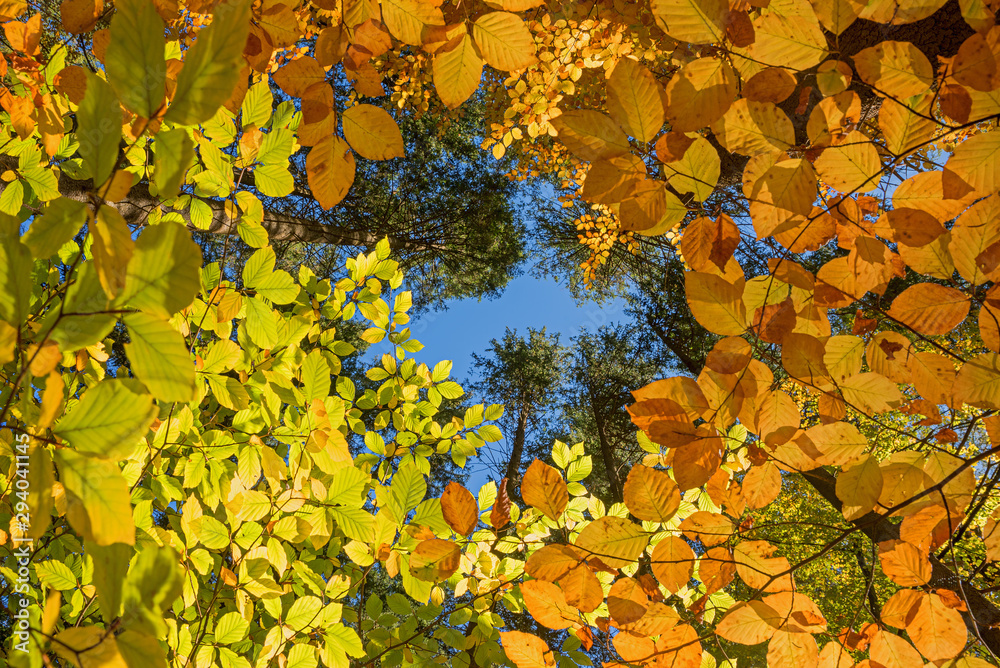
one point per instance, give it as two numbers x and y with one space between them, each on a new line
709 528
795 42
834 655
692 21
896 69
716 569
435 560
659 619
975 65
682 390
838 443
778 418
406 19
590 135
792 649
850 165
582 588
627 602
457 71
552 562
700 93
904 563
936 629
650 494
716 303
526 650
504 41
547 605
615 541
754 127
459 509
931 526
749 623
500 512
892 651
759 569
730 355
672 562
975 161
930 309
636 100
940 193
901 607
859 487
544 488
372 132
696 172
978 382
907 127
903 477
774 84
695 464
330 170
974 239
708 241
837 15
991 537
761 485
298 75
802 357
871 393
612 180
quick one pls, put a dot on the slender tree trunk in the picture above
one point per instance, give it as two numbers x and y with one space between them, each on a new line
614 482
516 452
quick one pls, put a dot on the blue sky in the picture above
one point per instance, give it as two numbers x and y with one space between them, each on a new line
468 325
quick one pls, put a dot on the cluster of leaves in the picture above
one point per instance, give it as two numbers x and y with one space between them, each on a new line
226 495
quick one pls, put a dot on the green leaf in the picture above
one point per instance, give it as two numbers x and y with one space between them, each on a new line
346 639
276 147
302 655
231 628
15 280
153 582
211 533
163 276
356 523
212 66
110 567
261 324
12 198
56 574
84 296
109 420
160 358
43 181
257 104
59 223
100 128
315 376
259 274
252 233
302 613
97 499
273 180
140 650
134 60
173 154
408 489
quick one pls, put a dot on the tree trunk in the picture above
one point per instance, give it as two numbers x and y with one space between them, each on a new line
614 482
516 452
